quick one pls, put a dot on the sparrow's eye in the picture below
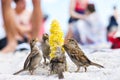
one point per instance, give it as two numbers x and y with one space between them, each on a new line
72 40
33 40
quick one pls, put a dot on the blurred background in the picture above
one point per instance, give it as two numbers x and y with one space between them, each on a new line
57 9
97 25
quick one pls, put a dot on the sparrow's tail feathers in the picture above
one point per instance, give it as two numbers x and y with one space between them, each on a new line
97 65
19 72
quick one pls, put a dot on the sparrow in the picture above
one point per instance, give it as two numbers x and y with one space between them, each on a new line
33 59
58 63
77 55
45 47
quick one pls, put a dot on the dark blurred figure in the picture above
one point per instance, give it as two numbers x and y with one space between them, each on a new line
112 26
77 10
112 30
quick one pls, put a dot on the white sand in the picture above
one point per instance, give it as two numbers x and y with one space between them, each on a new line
10 63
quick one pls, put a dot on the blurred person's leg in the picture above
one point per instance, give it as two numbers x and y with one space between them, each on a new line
8 16
69 33
36 18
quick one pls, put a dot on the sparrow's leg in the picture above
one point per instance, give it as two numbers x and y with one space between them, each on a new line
31 72
44 60
85 69
51 72
78 68
66 68
51 69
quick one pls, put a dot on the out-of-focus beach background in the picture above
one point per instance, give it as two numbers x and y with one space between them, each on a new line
57 9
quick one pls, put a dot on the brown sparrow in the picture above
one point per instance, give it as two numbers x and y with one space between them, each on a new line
33 59
78 56
58 63
45 47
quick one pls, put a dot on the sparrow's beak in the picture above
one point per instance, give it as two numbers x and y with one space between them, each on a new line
68 40
64 45
36 39
46 35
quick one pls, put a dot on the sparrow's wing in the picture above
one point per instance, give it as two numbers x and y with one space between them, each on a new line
78 47
79 55
47 42
85 60
28 59
48 45
45 45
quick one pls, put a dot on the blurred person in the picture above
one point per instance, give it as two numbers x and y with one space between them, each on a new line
112 26
77 10
114 29
2 31
17 23
91 29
